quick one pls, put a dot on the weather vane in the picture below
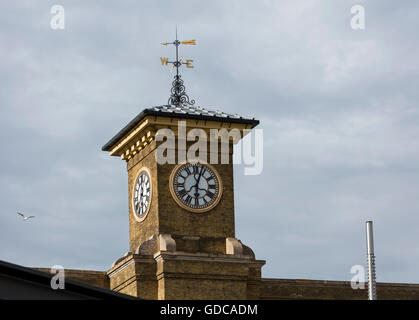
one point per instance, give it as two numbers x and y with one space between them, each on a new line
178 95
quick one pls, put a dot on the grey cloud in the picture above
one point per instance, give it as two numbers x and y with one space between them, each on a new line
338 108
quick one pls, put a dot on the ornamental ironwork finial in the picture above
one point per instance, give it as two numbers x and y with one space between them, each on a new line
178 95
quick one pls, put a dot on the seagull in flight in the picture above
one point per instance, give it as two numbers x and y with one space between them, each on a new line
25 218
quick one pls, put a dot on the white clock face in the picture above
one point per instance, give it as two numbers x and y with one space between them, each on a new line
142 194
196 187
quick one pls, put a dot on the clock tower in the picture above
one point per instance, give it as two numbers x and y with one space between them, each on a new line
181 207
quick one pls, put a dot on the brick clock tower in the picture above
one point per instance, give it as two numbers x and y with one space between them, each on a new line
181 214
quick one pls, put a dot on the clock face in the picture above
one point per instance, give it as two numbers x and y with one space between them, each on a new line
142 194
196 187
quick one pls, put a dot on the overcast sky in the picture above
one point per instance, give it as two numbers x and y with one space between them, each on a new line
339 109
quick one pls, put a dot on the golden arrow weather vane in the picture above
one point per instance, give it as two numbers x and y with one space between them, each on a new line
178 95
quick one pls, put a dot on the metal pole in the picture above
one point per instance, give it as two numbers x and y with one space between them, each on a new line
372 294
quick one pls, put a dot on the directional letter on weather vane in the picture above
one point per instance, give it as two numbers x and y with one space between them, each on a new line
178 95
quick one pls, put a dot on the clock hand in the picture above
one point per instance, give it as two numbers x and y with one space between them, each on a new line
197 183
143 194
200 174
193 186
190 188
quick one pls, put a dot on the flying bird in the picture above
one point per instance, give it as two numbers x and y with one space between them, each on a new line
25 218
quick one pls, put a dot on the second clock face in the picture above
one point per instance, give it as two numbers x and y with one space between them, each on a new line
142 194
196 187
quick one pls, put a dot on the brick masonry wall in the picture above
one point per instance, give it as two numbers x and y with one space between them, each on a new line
274 289
285 289
142 231
165 216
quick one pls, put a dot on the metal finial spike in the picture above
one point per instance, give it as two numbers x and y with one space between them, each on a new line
178 94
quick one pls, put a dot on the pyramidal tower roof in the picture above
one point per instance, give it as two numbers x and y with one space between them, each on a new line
181 112
195 111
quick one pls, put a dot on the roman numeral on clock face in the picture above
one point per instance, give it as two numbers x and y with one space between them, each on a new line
182 193
188 199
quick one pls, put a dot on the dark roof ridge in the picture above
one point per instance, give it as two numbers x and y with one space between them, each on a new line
43 278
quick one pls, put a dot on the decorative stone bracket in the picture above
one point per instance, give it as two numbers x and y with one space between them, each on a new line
120 259
234 246
167 243
148 247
